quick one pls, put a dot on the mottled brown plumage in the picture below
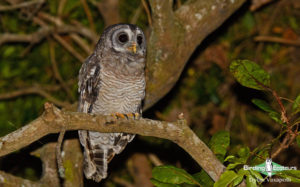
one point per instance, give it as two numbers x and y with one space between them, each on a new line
111 80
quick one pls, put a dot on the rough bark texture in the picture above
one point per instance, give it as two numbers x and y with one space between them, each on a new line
53 120
174 37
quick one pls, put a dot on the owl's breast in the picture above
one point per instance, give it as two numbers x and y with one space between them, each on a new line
122 94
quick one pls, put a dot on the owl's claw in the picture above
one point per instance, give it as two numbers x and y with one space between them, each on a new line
134 116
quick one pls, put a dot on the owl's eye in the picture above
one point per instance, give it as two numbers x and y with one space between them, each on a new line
123 38
139 39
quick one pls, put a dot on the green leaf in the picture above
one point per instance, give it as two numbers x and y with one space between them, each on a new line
292 175
238 180
244 153
226 178
234 165
162 184
173 175
230 158
261 155
243 172
219 143
256 174
296 104
267 108
276 117
203 178
263 105
250 181
250 74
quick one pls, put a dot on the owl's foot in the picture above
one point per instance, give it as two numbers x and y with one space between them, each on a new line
134 116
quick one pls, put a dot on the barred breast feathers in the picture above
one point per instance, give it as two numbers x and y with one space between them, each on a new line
105 92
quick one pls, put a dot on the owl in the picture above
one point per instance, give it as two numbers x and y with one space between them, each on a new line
111 81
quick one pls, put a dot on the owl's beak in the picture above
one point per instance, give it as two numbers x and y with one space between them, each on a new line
132 48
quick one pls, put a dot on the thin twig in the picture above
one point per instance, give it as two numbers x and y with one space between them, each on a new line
256 4
56 71
74 36
88 14
147 9
33 90
277 40
266 27
155 160
21 5
287 141
122 182
284 116
61 7
41 33
81 43
57 37
68 47
60 165
136 14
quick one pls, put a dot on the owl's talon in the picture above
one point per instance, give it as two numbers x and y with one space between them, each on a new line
130 116
134 116
119 115
137 115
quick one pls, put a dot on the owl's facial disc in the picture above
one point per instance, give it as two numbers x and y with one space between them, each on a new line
129 41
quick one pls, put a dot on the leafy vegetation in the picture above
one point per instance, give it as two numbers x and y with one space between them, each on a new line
242 109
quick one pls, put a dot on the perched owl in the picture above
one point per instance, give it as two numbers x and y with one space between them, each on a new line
111 81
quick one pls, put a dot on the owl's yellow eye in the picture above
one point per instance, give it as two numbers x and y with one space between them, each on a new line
123 38
139 39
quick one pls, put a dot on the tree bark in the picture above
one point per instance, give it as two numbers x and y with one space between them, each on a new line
53 120
174 37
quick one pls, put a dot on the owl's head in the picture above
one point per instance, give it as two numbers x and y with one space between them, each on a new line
125 39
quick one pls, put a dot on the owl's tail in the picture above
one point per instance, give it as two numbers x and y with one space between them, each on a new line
98 154
96 158
95 165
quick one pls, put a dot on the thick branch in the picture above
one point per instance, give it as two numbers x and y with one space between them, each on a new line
53 120
109 9
10 180
174 37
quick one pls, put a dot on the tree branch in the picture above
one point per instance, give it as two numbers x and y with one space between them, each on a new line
43 32
109 9
10 180
21 5
34 90
53 120
174 37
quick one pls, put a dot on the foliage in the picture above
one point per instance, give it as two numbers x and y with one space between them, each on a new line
250 75
170 175
212 102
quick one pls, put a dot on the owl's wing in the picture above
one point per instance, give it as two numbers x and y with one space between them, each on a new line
88 88
99 148
89 84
